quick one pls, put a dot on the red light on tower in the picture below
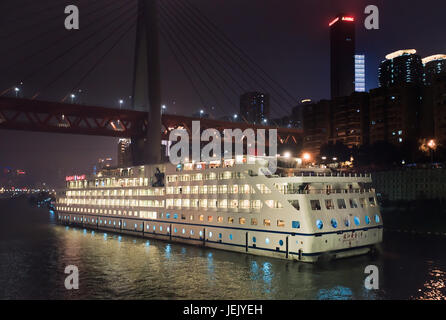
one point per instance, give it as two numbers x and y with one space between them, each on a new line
333 22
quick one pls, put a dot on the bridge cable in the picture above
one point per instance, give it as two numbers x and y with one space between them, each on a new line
213 29
170 33
182 27
83 57
244 71
47 31
65 52
99 60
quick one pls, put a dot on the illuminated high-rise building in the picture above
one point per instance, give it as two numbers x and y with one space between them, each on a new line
342 55
124 152
433 65
254 107
359 73
401 67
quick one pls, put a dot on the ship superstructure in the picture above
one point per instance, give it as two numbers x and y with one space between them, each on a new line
297 213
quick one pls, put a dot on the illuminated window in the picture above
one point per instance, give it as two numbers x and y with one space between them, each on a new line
254 221
201 218
377 220
315 205
280 223
295 224
295 204
210 218
267 240
353 203
329 204
367 220
242 220
267 222
230 220
341 204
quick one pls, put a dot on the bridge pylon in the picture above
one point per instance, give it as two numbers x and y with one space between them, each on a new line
146 149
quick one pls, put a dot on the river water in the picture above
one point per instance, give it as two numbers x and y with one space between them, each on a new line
34 252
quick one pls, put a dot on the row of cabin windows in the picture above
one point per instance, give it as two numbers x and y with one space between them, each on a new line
210 189
295 224
220 219
116 192
109 183
206 176
330 205
356 221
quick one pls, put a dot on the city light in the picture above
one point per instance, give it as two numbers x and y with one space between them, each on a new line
306 156
432 144
287 155
333 22
351 19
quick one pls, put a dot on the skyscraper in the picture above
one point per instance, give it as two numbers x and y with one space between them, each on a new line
254 107
400 67
433 65
359 73
342 55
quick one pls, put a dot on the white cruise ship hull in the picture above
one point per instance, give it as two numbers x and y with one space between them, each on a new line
303 216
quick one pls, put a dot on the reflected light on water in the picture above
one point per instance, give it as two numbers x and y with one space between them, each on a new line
336 293
434 288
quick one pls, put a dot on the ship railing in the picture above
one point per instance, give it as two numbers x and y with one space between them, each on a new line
332 191
321 174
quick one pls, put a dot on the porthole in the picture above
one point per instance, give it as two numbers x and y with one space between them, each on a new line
377 220
220 235
281 242
254 239
334 223
267 240
175 230
184 231
201 233
367 220
210 234
319 224
230 236
357 221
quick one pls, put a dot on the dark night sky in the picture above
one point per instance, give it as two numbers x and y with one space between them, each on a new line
288 38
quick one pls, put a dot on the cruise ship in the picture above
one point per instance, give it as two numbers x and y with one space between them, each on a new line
298 213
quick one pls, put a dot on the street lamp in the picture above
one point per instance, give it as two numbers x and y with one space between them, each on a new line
16 89
163 108
432 145
72 97
306 157
235 116
120 103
